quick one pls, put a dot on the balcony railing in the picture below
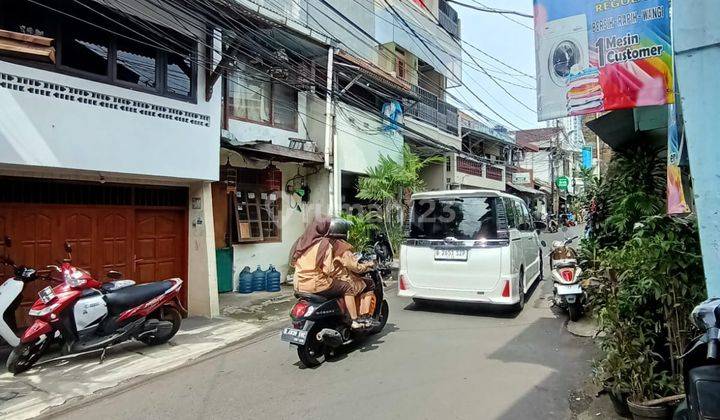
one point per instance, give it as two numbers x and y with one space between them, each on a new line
482 128
433 111
449 18
484 170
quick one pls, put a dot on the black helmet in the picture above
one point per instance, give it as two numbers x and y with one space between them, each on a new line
339 228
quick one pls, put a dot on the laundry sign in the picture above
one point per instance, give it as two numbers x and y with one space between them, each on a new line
595 56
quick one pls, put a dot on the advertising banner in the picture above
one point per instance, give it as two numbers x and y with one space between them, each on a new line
587 159
595 56
676 203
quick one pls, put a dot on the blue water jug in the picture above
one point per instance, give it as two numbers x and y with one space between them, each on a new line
245 281
258 280
272 280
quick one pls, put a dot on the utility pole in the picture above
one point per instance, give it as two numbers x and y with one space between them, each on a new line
330 146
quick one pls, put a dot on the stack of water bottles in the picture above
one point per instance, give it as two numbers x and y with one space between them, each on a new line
259 280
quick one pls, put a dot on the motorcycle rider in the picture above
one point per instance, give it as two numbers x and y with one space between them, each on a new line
313 256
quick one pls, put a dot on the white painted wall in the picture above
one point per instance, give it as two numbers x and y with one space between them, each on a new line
434 177
249 131
434 133
45 123
361 140
202 275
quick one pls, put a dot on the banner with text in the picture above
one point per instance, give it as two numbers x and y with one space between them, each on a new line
595 56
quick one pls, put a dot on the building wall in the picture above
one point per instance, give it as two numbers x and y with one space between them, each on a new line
388 28
202 275
362 141
434 133
53 120
434 177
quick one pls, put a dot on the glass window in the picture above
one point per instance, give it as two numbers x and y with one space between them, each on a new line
249 97
461 218
284 106
511 213
26 18
136 63
179 74
85 48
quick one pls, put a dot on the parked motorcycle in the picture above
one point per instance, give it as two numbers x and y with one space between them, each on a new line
701 366
92 316
11 296
567 291
552 224
320 325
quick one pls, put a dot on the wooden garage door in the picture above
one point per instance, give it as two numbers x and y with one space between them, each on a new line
144 245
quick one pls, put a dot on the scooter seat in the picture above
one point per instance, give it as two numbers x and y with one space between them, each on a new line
311 297
131 296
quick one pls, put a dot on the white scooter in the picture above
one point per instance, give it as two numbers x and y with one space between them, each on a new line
567 291
11 296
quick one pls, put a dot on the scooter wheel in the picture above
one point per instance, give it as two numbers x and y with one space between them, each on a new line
24 356
383 318
313 352
574 312
169 314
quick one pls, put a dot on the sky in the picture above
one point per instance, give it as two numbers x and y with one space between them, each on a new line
509 42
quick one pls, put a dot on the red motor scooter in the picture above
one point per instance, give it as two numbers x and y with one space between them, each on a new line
92 316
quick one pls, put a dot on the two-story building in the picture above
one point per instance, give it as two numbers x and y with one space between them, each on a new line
108 142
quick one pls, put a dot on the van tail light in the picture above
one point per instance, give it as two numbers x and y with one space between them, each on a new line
402 282
506 289
568 275
298 311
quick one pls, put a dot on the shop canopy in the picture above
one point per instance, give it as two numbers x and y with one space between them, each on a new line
265 150
524 189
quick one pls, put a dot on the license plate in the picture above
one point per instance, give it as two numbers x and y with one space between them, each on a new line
573 289
295 336
46 294
451 254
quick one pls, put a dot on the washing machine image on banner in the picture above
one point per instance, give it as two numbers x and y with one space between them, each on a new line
601 56
562 50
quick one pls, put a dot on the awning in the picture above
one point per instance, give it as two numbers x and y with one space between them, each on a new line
268 151
525 189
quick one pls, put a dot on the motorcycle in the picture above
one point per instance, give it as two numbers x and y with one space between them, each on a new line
552 224
701 366
567 291
320 325
11 296
91 316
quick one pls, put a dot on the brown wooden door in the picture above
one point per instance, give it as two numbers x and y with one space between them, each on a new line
115 244
159 246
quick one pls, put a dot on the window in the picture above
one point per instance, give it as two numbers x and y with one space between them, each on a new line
511 213
522 216
462 218
254 96
141 60
255 210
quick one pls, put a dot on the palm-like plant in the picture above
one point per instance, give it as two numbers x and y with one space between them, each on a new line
385 184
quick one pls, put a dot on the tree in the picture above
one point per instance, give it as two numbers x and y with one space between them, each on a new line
385 185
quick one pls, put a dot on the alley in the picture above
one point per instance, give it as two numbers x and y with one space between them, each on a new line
437 362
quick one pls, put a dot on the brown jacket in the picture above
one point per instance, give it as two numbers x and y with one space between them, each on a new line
308 278
349 268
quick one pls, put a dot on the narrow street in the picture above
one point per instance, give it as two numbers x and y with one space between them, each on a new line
437 362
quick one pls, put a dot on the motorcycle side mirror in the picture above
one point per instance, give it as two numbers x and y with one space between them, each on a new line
68 247
7 241
540 226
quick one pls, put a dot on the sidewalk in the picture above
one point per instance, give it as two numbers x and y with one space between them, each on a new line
50 385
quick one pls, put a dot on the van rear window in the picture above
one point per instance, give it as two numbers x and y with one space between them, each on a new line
460 217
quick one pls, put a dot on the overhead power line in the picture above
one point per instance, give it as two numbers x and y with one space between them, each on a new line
491 10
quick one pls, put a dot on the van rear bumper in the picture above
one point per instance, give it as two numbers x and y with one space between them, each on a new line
471 296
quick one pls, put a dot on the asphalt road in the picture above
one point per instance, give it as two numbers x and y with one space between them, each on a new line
445 362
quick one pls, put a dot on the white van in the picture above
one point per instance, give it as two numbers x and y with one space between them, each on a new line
470 246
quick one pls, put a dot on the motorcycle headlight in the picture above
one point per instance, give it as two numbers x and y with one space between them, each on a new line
74 278
44 311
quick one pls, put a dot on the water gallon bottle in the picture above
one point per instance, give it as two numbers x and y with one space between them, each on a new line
258 280
245 282
273 280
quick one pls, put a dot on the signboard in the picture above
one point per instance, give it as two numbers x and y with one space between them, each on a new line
587 157
562 182
598 55
521 178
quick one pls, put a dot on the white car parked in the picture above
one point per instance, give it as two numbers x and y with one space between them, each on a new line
470 246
